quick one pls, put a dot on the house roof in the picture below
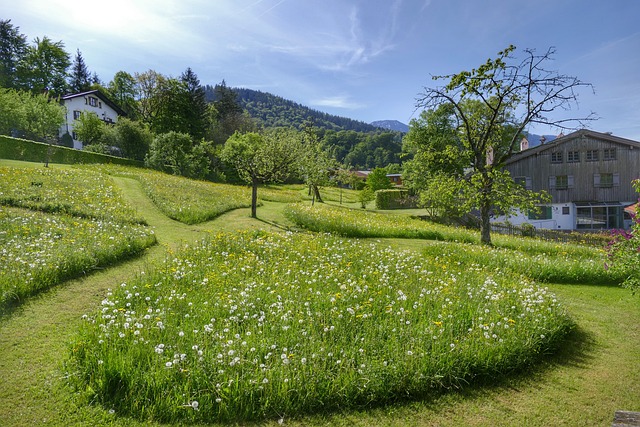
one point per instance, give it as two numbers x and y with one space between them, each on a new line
98 94
572 136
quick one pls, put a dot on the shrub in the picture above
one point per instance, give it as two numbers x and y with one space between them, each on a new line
394 199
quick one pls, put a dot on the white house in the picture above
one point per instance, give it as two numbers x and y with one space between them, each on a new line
92 101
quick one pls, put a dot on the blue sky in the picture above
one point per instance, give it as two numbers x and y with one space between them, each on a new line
367 60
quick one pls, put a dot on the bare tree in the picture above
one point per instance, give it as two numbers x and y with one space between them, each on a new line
494 104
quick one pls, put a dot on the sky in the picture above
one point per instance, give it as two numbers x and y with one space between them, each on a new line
363 59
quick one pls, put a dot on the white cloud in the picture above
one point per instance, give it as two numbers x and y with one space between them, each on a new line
337 102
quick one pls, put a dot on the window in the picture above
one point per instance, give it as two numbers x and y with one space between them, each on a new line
525 181
76 115
544 212
592 155
609 154
93 101
560 182
573 157
556 157
594 216
566 210
606 180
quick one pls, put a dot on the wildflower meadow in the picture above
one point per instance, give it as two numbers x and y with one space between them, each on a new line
249 326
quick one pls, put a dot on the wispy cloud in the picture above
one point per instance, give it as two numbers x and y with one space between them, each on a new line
337 102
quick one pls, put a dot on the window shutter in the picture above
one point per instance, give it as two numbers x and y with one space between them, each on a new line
528 185
569 181
596 180
552 181
616 180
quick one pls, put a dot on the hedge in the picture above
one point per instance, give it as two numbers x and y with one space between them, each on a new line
31 151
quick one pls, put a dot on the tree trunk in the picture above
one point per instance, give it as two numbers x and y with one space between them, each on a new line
485 212
316 192
254 197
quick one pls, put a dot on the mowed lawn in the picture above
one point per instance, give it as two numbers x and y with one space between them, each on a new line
595 373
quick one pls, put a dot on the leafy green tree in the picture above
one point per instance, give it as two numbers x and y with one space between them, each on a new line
378 180
123 90
493 104
43 117
433 146
315 163
365 196
151 97
44 67
174 152
89 128
13 47
80 78
132 138
260 158
11 111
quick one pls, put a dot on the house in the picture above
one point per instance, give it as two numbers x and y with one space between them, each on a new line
92 101
589 177
395 178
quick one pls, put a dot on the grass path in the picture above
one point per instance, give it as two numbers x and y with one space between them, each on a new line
595 374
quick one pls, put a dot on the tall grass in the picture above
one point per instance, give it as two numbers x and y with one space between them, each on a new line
360 223
40 250
251 326
76 192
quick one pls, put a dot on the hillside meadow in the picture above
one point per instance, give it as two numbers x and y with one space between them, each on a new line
233 319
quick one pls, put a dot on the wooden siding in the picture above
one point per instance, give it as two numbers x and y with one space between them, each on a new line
583 176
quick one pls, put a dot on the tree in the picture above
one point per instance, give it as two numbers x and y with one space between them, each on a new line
11 111
175 153
44 67
89 128
493 105
80 78
378 180
228 114
132 138
315 163
196 111
262 158
13 47
433 147
123 90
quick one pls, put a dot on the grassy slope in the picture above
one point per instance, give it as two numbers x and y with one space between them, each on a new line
597 372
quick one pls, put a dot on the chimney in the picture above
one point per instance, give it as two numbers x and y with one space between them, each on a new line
524 144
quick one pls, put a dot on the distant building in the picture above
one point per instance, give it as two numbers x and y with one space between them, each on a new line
588 175
92 101
395 178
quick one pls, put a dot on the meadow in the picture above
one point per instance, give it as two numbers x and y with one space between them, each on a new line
250 326
302 328
67 223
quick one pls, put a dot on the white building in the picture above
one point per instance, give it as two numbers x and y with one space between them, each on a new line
92 101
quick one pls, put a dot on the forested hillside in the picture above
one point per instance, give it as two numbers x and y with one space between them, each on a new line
354 143
274 111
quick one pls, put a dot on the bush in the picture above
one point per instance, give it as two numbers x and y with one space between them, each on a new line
394 199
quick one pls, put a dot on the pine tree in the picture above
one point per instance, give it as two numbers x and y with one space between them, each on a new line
80 79
196 106
13 47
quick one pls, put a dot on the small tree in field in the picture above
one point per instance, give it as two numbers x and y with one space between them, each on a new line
262 158
378 180
492 105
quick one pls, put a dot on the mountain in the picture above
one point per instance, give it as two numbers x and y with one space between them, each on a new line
391 125
273 111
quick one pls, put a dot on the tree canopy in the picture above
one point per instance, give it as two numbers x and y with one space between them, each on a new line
492 106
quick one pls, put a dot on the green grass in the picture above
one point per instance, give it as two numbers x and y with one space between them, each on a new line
298 323
595 372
